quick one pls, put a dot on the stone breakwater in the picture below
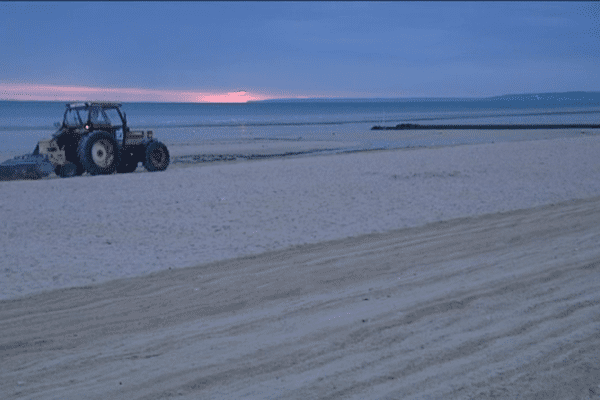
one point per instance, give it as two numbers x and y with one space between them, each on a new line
498 126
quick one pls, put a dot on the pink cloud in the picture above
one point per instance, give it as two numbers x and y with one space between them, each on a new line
81 93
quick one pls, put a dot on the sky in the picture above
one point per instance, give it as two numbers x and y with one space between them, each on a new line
240 51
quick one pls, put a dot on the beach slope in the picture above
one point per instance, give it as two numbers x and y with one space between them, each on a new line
499 306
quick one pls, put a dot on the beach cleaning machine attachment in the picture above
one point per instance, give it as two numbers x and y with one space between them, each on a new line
93 138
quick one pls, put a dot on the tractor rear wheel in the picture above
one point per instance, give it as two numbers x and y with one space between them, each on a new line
99 153
157 157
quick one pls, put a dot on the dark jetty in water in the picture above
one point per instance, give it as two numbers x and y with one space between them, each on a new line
509 126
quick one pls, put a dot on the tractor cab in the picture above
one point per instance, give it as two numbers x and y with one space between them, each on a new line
82 118
94 137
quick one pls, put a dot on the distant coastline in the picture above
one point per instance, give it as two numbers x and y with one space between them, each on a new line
524 100
543 100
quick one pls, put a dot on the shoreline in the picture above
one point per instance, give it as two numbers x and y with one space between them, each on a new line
262 149
191 147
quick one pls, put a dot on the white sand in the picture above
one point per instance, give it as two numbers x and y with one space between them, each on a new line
59 233
500 306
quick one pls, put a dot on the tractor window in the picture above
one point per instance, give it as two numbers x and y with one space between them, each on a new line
97 116
113 116
72 118
84 116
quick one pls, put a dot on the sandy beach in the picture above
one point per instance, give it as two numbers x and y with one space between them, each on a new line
452 272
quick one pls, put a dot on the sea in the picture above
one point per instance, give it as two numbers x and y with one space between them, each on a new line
24 123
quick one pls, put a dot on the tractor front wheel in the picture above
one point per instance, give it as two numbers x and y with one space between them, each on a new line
68 170
99 153
157 157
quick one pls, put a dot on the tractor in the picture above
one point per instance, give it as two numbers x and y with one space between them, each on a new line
94 138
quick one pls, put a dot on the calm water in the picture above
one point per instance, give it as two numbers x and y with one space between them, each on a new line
22 124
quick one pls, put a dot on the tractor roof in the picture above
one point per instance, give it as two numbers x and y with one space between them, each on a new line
86 104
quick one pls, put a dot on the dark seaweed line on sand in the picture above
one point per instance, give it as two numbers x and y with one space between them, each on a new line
506 126
202 158
207 158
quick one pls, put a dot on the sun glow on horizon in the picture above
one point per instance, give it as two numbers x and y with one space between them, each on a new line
82 93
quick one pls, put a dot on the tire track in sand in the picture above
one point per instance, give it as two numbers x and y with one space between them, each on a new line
499 306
